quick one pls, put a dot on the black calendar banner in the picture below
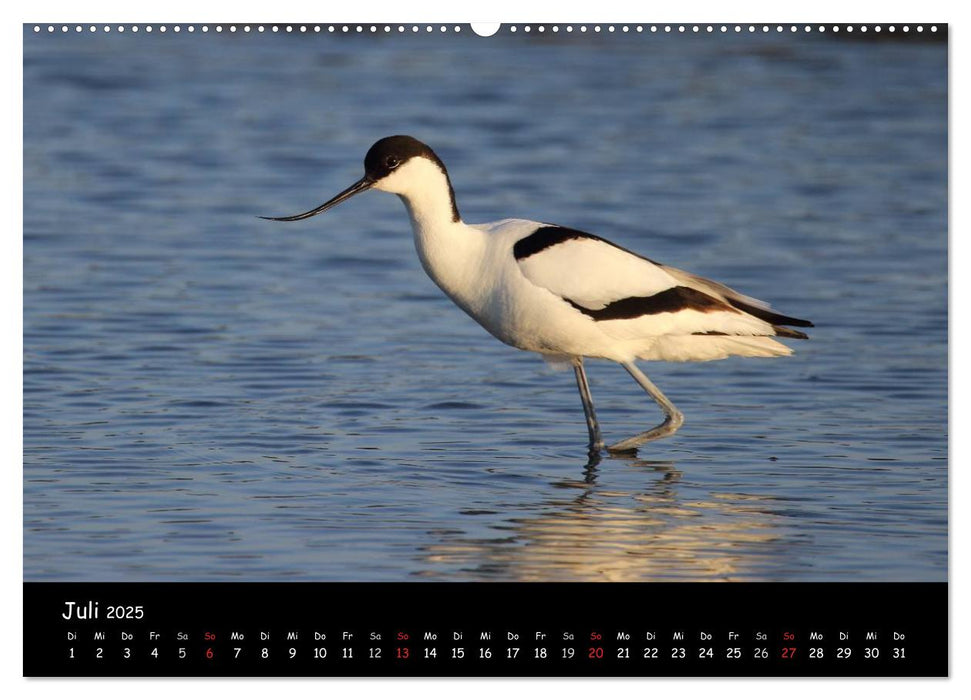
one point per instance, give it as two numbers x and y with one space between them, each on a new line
472 629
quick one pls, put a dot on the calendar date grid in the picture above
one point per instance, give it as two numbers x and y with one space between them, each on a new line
404 647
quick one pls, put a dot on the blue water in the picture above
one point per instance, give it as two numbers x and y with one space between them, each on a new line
212 396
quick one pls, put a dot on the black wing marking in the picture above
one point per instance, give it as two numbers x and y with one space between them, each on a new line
668 301
551 235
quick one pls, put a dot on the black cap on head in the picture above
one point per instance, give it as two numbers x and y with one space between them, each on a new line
392 151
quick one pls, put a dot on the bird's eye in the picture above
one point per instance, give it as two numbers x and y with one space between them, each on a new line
392 162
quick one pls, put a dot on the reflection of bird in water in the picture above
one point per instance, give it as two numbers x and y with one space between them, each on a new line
615 535
565 293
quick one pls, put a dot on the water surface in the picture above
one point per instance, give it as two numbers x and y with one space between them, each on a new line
210 396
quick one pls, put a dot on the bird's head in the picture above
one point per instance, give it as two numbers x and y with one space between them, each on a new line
401 165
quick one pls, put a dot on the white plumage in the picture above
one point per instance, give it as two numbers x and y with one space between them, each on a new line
564 293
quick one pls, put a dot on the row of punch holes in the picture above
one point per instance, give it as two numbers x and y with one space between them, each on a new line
540 29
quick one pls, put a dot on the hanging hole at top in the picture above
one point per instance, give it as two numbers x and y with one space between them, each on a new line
485 28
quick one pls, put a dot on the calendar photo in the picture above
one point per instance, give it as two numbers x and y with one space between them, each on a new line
485 324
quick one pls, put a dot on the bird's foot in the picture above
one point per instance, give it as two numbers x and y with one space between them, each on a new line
670 426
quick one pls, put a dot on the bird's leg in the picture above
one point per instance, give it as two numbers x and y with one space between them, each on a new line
673 418
593 428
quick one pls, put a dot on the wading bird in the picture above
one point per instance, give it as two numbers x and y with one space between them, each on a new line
567 294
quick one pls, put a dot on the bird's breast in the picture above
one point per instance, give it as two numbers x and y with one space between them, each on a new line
478 271
453 256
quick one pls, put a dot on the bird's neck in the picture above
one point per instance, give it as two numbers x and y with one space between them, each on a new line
430 200
449 250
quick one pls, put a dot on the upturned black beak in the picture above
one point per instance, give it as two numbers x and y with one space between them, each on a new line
361 185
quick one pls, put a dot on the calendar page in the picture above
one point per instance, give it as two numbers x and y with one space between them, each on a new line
642 371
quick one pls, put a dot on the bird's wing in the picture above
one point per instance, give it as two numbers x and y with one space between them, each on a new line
742 302
586 269
612 284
